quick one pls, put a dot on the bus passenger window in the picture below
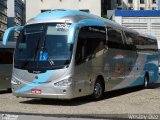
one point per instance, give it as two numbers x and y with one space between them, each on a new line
130 41
115 39
78 57
146 44
91 43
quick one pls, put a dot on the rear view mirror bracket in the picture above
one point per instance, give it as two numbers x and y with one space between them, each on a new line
9 31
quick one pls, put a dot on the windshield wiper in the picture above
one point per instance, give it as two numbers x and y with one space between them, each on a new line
51 62
44 50
36 51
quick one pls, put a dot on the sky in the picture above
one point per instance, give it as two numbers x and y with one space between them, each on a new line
158 4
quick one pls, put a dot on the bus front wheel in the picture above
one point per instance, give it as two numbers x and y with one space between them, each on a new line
98 90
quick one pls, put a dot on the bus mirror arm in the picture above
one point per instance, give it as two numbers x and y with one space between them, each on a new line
8 33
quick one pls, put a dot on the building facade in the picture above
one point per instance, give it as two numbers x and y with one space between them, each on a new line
146 21
34 7
3 17
133 4
16 12
140 4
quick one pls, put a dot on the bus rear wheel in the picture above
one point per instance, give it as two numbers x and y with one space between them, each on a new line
98 90
146 81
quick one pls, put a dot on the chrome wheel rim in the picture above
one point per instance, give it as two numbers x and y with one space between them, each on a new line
98 90
146 82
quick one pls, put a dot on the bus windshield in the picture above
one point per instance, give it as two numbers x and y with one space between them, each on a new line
43 47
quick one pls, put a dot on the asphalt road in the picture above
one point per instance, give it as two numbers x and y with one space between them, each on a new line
116 103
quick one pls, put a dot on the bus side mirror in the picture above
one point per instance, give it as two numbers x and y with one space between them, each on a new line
9 32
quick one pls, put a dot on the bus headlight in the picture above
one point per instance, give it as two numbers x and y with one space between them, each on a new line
15 82
65 82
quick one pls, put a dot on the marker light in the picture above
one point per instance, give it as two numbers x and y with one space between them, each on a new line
65 82
15 82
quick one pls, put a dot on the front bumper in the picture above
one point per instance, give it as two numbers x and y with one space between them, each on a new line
47 91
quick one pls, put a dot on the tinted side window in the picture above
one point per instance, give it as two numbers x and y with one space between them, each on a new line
146 44
91 40
115 39
130 41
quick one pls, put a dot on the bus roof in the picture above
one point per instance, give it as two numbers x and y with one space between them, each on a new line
73 16
62 15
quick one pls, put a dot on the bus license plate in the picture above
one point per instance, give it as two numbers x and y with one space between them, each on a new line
36 91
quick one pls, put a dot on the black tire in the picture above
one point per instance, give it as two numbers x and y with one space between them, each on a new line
146 81
98 91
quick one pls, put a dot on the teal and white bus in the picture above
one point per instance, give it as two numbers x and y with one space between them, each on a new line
64 54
